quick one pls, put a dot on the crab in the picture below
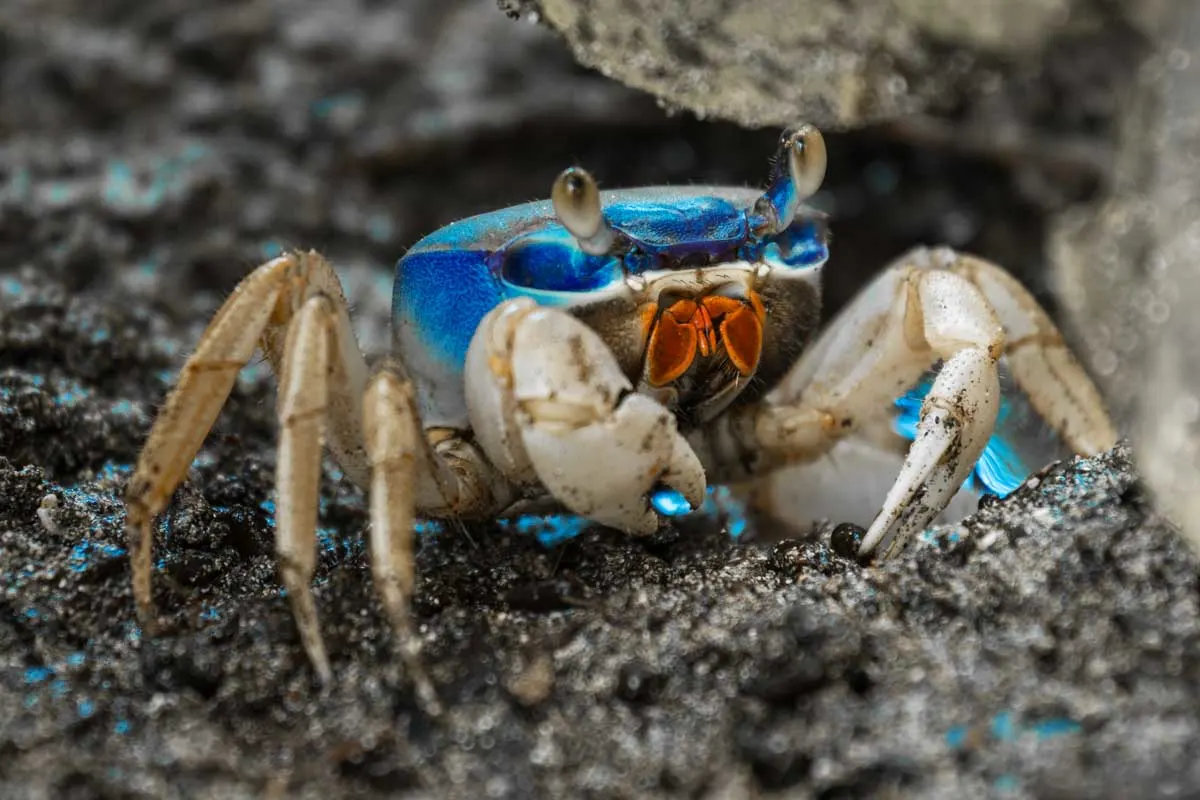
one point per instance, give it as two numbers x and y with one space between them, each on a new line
614 352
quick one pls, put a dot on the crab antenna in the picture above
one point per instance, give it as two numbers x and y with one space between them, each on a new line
802 149
576 200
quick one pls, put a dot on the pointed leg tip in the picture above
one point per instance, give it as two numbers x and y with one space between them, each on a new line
147 619
408 649
319 661
426 695
324 674
305 613
428 700
868 548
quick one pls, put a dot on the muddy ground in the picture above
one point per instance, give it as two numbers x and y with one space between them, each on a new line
1047 647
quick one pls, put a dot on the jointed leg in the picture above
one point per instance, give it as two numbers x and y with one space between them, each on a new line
1038 358
448 477
927 307
192 406
294 308
303 411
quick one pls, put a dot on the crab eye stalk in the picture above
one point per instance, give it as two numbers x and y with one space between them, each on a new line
806 159
576 200
802 150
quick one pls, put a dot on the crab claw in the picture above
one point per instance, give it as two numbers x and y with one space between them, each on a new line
562 411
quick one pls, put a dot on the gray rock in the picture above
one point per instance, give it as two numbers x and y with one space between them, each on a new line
1126 268
775 62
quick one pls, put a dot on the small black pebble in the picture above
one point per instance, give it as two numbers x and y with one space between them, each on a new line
846 538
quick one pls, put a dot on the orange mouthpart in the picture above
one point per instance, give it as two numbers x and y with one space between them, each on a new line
688 327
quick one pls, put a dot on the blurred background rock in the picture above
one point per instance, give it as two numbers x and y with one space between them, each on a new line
181 141
1129 267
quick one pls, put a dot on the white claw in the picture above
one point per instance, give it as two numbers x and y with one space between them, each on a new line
685 472
490 402
594 444
603 467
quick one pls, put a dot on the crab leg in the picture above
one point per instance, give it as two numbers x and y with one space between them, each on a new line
302 407
192 407
957 418
409 471
933 315
293 308
347 375
406 472
1038 358
925 308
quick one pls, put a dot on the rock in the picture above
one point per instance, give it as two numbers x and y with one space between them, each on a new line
1126 268
776 62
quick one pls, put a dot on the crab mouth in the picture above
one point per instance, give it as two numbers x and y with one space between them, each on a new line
714 329
702 349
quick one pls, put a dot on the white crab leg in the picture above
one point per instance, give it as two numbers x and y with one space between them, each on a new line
957 418
925 307
1038 358
397 449
791 431
411 472
348 369
909 318
294 308
959 412
302 408
374 433
549 402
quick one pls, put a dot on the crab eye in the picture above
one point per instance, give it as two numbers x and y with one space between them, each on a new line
804 151
807 159
576 201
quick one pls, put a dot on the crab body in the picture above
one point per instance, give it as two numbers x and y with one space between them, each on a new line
689 243
617 353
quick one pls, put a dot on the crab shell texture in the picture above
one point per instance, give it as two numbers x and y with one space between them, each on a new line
681 242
